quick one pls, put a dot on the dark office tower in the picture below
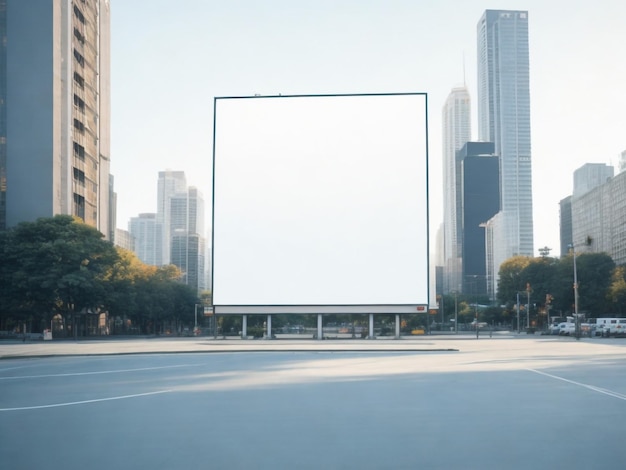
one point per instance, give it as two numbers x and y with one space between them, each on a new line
54 111
565 224
481 201
504 119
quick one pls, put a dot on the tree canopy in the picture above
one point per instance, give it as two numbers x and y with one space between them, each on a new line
60 265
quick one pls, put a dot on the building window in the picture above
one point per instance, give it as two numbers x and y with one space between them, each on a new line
79 103
79 15
79 206
79 126
79 177
79 58
79 151
80 81
78 35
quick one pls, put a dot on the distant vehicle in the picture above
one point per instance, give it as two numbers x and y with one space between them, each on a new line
611 326
567 329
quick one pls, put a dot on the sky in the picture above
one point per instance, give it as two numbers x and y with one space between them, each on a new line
170 59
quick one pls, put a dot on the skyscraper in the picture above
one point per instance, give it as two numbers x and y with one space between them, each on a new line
169 183
456 130
504 119
187 244
481 201
54 111
147 237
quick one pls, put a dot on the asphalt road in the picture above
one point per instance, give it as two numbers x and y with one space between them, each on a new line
514 403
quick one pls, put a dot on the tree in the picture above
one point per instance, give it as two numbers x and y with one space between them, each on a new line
55 265
511 279
617 289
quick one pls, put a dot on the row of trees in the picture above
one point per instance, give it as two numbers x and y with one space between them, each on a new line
62 267
549 285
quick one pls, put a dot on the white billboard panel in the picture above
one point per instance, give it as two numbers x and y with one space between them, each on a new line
320 201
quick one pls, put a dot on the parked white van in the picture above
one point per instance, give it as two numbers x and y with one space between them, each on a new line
611 326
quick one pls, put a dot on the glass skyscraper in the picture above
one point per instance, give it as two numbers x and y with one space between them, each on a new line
456 131
504 119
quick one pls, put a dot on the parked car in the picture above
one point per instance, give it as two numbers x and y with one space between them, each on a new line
567 329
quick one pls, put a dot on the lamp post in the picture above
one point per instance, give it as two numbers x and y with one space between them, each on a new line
576 317
476 305
517 312
527 307
456 314
195 321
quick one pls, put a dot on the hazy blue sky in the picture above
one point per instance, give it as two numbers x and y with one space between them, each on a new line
169 59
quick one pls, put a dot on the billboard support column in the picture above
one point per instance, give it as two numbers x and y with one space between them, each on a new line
268 334
320 332
371 328
244 327
397 326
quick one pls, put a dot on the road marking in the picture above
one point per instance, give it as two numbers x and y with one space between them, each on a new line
72 403
589 387
72 374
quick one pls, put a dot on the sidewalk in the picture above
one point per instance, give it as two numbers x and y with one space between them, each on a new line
16 348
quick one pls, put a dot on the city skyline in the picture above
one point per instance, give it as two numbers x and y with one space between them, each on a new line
219 59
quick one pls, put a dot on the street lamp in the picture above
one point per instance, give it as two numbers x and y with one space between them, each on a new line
456 314
518 330
576 318
195 322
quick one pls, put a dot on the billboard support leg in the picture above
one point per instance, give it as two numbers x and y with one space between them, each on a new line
244 327
397 326
269 327
320 333
371 332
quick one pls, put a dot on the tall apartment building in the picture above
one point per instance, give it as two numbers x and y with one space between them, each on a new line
504 119
456 130
55 111
169 183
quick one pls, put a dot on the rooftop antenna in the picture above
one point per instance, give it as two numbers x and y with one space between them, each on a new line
464 69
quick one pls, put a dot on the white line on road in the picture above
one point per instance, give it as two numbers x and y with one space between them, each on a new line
57 405
72 374
589 387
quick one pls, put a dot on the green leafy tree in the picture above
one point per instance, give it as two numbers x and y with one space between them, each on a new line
511 278
617 289
55 265
593 272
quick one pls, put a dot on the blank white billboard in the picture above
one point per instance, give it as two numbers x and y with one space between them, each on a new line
320 204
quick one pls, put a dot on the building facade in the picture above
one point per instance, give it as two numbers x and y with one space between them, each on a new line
590 176
147 237
504 119
565 224
599 219
169 184
55 111
456 130
187 242
124 239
